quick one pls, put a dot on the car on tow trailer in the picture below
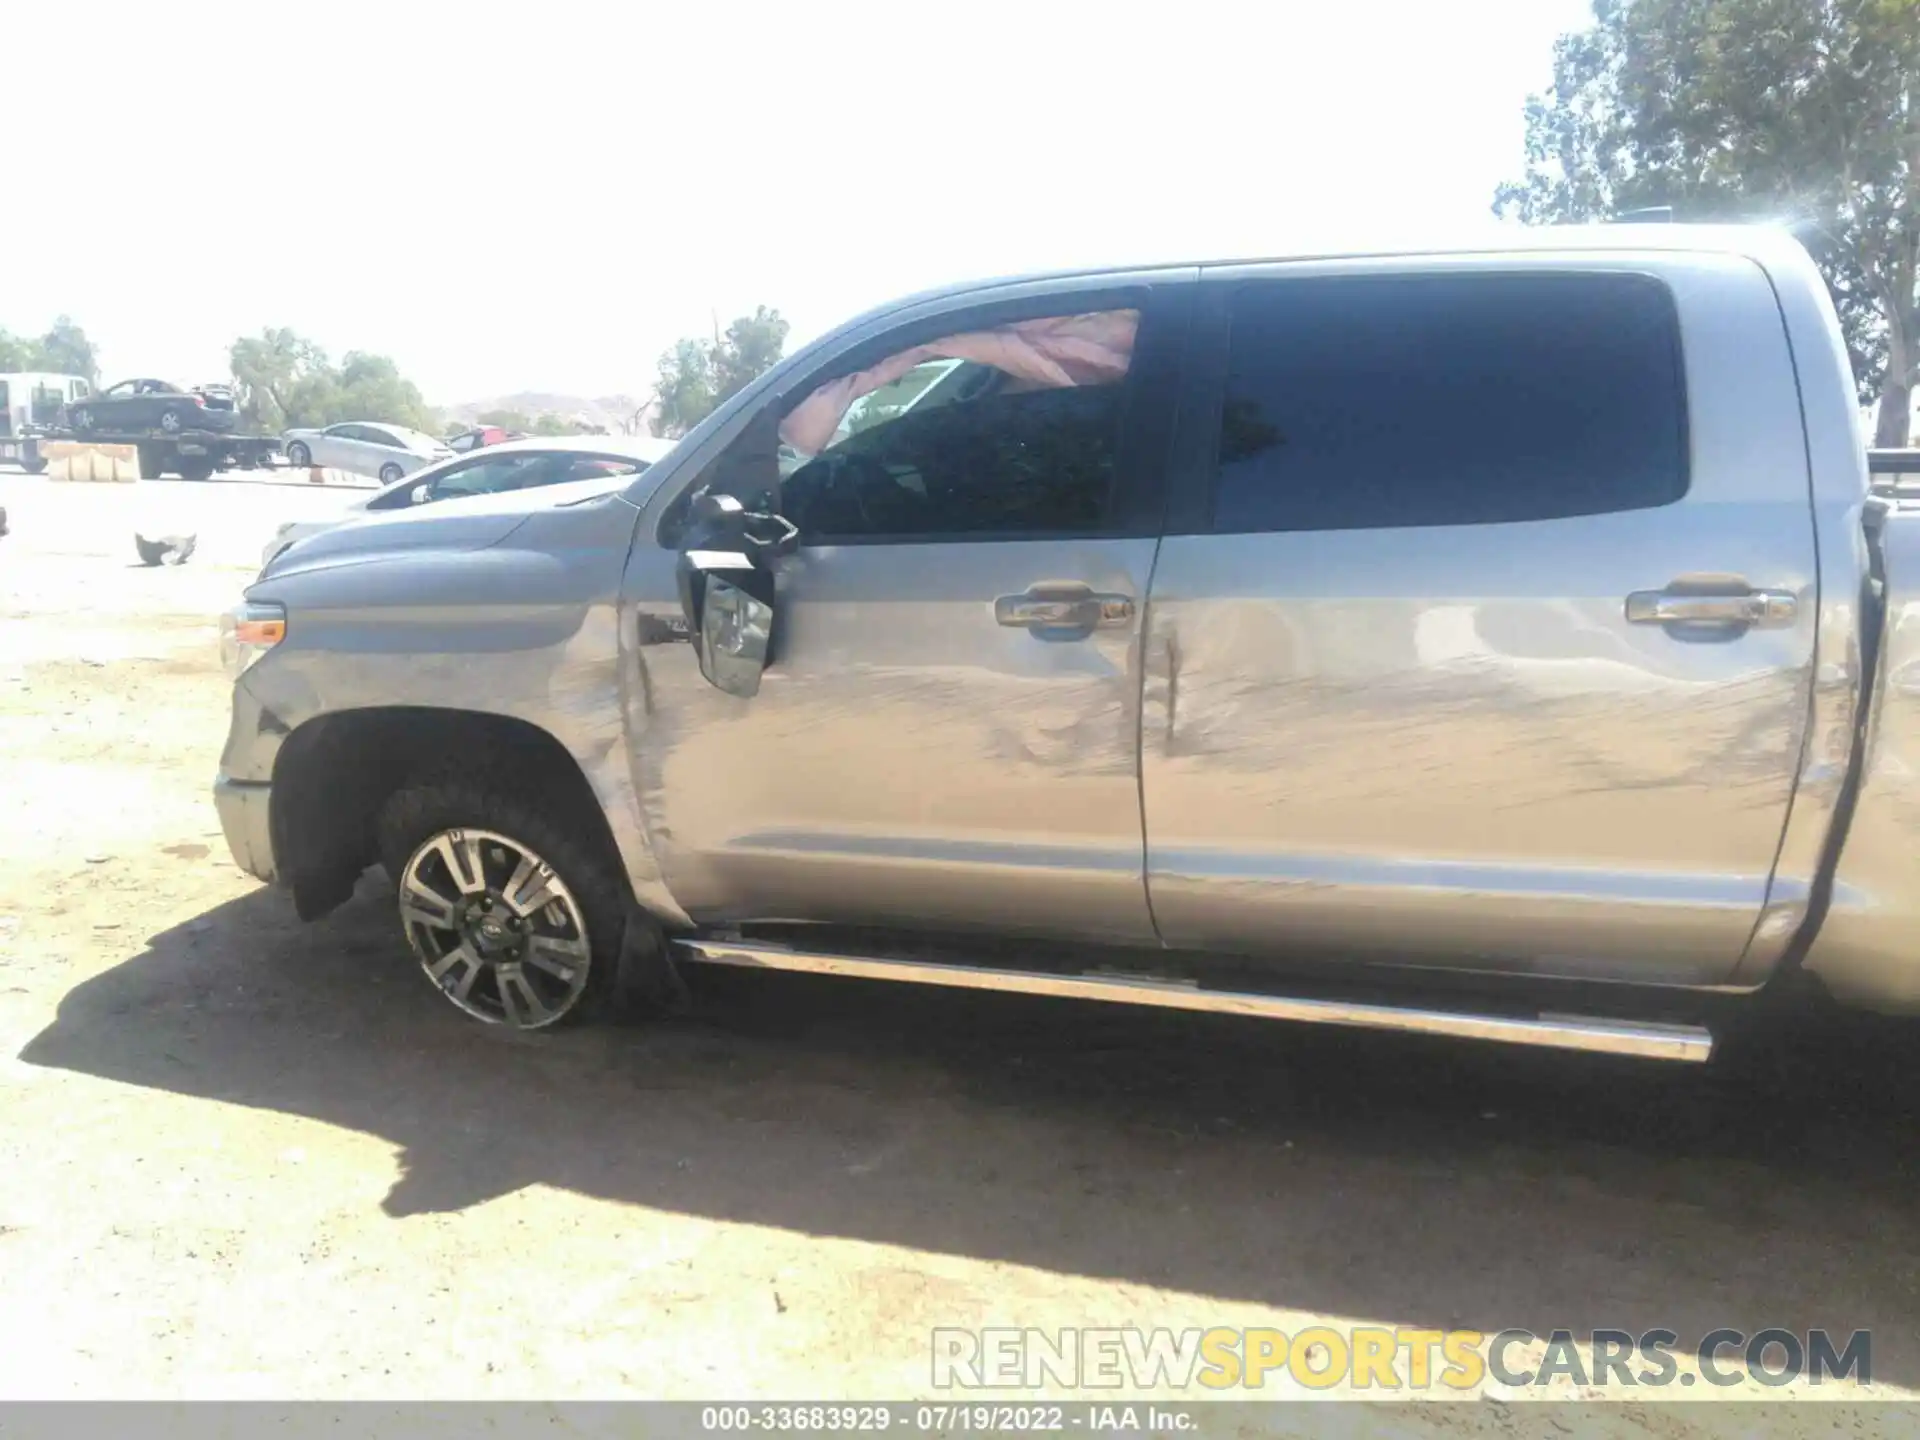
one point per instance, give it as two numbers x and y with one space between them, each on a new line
148 404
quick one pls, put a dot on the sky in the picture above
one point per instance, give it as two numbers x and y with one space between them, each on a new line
507 195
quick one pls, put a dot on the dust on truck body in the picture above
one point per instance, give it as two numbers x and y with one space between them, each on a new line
1499 641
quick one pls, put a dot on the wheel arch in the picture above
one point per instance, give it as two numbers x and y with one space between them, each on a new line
334 772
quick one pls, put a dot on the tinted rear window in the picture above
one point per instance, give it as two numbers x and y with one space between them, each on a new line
1364 403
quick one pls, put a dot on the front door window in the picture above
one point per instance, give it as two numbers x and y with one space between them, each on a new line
1006 432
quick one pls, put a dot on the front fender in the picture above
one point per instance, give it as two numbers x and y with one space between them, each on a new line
527 629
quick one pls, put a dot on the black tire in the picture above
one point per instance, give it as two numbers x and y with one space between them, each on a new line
153 461
390 473
299 456
499 801
36 466
199 467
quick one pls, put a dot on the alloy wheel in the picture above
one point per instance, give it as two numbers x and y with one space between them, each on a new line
495 928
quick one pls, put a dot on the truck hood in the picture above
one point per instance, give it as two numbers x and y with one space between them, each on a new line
473 523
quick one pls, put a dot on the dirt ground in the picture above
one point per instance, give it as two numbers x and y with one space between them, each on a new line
241 1157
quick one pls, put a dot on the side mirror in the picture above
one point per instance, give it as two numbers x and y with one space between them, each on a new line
419 495
729 603
715 514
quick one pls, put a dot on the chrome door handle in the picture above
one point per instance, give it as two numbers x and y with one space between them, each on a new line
1677 607
1063 607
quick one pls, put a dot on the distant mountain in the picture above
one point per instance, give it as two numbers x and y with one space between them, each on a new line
615 412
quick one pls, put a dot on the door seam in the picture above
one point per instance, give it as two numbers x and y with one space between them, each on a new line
1140 741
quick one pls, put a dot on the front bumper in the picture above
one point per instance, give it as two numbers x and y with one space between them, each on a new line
243 807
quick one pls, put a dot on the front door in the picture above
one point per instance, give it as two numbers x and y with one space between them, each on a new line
1420 679
334 449
947 733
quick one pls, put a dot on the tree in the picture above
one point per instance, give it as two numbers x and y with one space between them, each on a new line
752 345
371 387
1802 110
280 379
65 350
283 380
696 376
686 388
548 423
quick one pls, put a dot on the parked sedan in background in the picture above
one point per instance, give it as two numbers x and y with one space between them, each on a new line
385 452
509 465
154 405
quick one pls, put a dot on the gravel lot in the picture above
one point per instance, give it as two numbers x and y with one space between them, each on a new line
241 1157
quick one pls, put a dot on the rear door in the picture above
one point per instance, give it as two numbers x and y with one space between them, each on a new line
150 399
1487 636
396 448
385 448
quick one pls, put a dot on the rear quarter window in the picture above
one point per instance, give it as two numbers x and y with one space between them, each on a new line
1392 401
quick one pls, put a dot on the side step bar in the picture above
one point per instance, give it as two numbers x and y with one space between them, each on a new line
1647 1040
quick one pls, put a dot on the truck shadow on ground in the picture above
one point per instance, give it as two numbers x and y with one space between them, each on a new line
1365 1176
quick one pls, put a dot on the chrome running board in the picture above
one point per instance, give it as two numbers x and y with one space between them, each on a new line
1647 1040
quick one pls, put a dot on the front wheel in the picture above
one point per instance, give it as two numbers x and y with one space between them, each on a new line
390 474
299 456
514 914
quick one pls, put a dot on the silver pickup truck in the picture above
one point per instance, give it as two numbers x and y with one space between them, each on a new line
1494 642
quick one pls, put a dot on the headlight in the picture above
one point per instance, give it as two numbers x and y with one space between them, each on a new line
248 631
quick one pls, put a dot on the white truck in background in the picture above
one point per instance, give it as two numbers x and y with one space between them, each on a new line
31 402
